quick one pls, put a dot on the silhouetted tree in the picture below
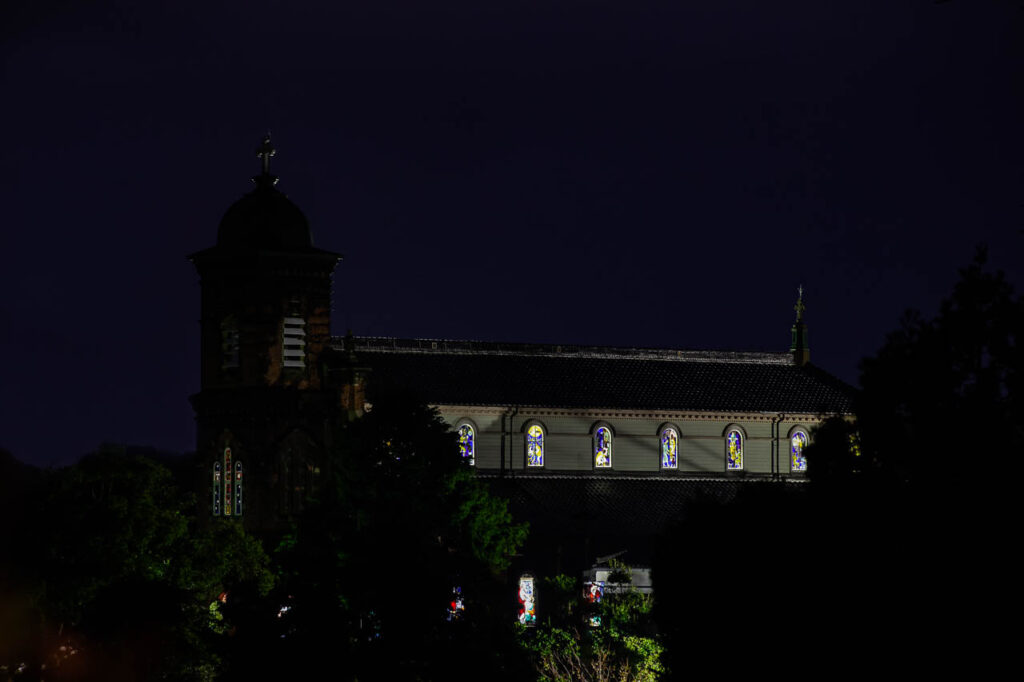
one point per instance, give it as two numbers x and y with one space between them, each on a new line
125 581
368 571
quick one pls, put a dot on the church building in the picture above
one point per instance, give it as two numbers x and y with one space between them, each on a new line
597 447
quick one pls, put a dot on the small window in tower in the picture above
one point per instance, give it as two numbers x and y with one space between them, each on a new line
229 343
293 346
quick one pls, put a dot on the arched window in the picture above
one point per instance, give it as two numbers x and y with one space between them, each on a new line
797 442
535 446
734 450
669 448
229 342
467 443
603 448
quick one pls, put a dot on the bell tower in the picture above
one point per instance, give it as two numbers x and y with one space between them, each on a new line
264 323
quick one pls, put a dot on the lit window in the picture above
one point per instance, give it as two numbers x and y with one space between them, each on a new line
227 486
467 444
734 451
796 451
527 601
603 447
216 488
535 446
669 448
238 488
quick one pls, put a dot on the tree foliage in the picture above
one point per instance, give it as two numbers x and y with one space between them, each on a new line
565 645
370 567
125 575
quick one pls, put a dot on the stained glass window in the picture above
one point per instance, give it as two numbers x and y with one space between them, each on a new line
669 449
535 446
796 451
527 601
456 605
238 488
734 451
603 447
467 446
228 488
593 592
216 488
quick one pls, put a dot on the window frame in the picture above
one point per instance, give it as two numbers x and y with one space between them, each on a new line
668 426
465 421
798 428
594 429
734 428
531 423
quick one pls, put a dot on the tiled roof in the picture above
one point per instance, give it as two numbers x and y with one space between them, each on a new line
481 373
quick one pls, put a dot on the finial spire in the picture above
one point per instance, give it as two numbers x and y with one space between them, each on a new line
264 152
799 348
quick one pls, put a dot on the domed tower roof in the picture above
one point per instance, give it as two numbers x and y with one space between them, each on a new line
265 218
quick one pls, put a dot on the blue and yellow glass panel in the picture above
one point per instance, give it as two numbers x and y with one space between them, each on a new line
669 449
535 446
796 451
734 451
466 444
603 448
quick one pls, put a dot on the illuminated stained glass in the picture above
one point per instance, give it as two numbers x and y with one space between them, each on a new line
527 601
669 449
535 446
456 605
228 488
734 450
796 451
593 593
238 488
603 447
466 443
216 488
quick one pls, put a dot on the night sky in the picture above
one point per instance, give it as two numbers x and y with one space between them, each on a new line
610 173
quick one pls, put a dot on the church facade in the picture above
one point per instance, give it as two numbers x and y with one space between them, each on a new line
594 441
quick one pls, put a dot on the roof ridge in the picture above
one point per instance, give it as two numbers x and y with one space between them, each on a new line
390 344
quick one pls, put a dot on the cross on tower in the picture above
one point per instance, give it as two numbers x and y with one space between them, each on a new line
799 307
265 151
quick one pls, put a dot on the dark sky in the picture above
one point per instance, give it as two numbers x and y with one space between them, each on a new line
620 173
